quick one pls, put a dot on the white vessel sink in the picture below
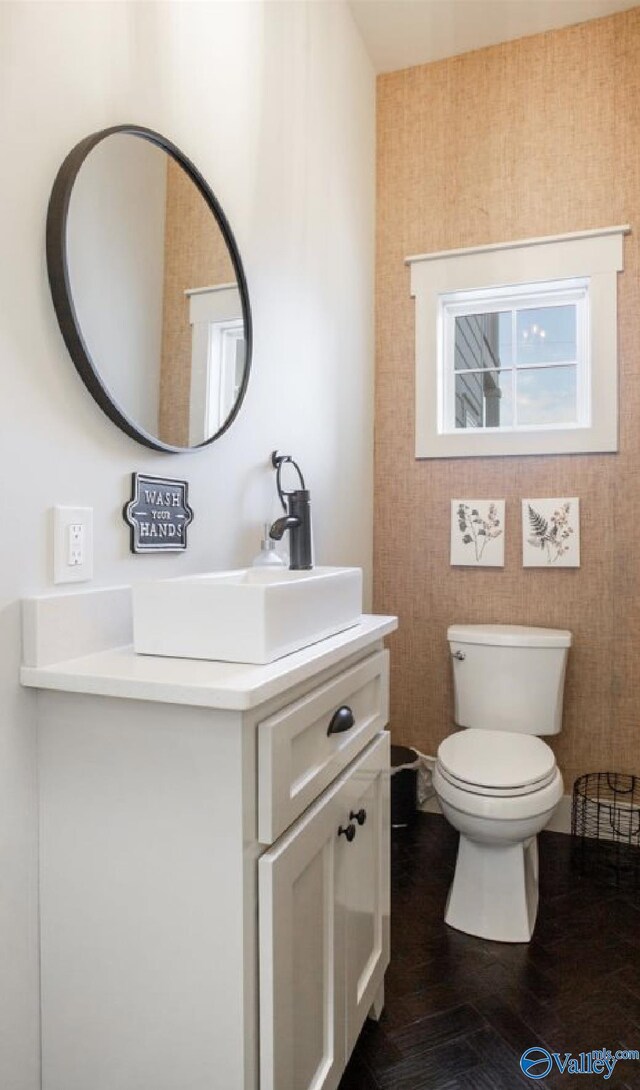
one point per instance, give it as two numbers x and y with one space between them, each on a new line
254 615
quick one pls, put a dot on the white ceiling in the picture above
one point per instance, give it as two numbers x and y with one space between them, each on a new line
401 33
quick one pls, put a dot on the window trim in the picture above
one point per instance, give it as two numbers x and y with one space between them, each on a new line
210 308
596 256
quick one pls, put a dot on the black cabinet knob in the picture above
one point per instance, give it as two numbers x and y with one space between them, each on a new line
349 831
360 816
341 720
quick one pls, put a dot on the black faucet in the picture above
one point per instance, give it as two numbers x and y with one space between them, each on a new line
297 516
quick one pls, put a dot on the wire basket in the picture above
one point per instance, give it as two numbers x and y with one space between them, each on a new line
605 825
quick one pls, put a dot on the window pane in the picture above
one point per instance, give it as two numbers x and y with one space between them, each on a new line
483 400
547 395
546 335
483 340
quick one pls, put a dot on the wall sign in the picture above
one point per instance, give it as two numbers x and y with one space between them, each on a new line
158 514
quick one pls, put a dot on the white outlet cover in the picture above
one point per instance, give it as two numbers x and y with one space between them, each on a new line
63 519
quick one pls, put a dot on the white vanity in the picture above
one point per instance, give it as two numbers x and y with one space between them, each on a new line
204 924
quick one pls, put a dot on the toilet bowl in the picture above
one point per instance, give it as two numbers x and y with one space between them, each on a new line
497 782
494 893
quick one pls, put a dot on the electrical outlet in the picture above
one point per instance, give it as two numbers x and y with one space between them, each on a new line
72 544
76 544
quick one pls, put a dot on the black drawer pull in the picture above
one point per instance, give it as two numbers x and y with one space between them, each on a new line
341 720
349 831
360 816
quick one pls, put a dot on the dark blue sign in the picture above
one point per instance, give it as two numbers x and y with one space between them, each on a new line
158 514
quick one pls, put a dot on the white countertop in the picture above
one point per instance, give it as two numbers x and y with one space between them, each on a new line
120 672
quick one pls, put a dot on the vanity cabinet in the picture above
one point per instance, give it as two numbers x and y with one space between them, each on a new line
205 925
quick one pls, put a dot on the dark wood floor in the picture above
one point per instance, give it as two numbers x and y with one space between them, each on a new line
460 1011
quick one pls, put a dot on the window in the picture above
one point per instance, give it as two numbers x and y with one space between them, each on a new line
218 352
515 359
226 354
512 366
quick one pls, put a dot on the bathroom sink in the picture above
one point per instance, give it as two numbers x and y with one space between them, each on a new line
253 615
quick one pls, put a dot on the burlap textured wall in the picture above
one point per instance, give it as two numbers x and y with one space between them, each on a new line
195 256
534 137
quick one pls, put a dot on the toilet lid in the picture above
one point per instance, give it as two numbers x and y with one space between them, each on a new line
496 759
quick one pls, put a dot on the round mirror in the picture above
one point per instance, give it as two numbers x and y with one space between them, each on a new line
149 289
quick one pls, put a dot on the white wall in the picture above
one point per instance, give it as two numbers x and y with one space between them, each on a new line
275 103
117 211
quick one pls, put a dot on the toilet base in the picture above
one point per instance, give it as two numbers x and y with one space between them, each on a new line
494 893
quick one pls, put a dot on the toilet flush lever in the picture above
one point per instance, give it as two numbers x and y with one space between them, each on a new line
459 655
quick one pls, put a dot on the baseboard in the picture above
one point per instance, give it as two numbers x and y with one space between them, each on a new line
560 822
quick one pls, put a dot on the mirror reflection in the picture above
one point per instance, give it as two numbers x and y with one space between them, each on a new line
155 292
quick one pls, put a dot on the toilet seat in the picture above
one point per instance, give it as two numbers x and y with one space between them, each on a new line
496 763
496 792
493 807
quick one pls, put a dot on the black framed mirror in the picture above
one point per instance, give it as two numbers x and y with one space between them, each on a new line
149 289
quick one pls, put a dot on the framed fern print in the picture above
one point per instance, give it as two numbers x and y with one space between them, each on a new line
551 533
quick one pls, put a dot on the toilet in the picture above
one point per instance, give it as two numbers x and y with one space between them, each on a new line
496 780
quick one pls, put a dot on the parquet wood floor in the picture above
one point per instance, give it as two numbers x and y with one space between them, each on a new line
460 1011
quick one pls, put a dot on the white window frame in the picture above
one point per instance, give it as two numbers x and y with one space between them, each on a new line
215 315
221 389
583 266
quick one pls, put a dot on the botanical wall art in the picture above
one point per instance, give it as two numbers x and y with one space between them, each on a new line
551 533
477 533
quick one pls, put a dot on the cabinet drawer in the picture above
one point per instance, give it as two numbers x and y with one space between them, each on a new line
297 755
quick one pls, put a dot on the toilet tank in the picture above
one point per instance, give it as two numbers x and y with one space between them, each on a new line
509 677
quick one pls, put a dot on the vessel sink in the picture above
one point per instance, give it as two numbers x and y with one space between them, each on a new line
254 615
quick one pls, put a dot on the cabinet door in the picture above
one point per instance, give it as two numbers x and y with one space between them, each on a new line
316 890
302 1015
364 887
